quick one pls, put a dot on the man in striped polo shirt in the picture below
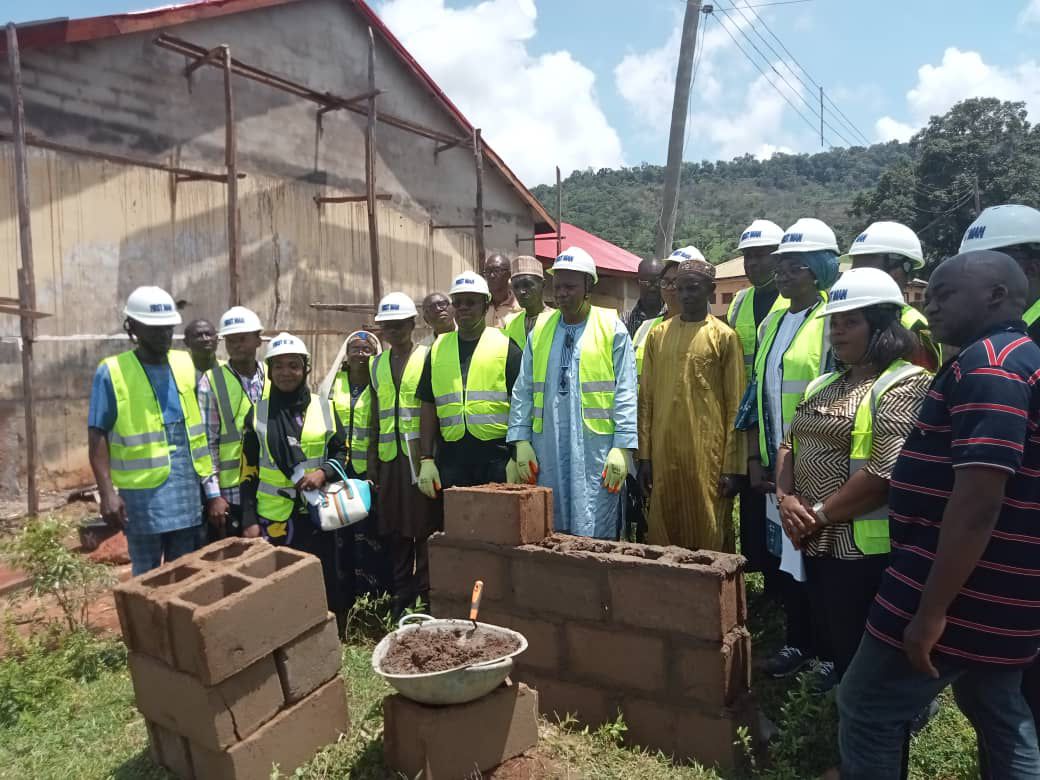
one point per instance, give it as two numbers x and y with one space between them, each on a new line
960 601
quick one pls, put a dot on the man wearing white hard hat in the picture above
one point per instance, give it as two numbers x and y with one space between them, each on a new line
227 393
464 390
573 415
406 516
896 250
793 349
666 280
146 442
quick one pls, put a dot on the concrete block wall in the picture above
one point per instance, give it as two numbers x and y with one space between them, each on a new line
656 633
234 659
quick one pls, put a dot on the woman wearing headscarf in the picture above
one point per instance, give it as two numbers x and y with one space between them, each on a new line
834 465
292 438
794 349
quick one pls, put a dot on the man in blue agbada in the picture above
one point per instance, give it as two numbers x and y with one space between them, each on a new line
573 414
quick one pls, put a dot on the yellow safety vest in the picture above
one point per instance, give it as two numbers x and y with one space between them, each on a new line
275 492
233 405
516 328
482 406
870 532
398 411
355 417
917 323
742 319
804 360
1032 314
596 379
138 453
639 340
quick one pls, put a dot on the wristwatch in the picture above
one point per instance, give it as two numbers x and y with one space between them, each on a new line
820 514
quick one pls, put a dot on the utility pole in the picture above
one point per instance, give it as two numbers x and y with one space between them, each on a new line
680 107
978 197
821 118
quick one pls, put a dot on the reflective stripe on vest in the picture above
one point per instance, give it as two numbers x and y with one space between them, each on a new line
355 415
639 340
917 323
742 319
138 453
870 532
596 379
233 405
804 361
398 408
482 406
275 493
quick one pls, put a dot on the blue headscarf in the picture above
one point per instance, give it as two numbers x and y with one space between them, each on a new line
824 266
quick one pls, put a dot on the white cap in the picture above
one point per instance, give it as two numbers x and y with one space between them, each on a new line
395 306
239 319
807 235
469 282
761 232
685 253
889 238
285 344
1000 226
152 306
860 288
575 259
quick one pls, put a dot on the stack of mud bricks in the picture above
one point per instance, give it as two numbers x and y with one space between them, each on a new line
655 633
235 660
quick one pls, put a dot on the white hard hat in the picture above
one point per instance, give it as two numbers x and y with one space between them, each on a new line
761 232
1000 226
575 259
239 319
395 306
285 344
807 235
685 253
860 288
152 306
469 282
889 238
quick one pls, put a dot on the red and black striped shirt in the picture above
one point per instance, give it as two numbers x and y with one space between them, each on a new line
983 409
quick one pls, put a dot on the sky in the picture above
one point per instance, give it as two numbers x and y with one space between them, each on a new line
589 83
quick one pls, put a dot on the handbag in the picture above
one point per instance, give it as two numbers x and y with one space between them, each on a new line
341 504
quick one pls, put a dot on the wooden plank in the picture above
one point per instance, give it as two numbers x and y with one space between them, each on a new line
478 159
231 163
20 312
370 172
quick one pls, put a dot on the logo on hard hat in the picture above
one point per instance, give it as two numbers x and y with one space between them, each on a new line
860 239
160 307
792 238
839 295
975 233
390 307
682 254
751 234
235 321
279 342
565 258
465 280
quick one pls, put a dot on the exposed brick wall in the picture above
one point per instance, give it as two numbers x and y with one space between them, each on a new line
657 633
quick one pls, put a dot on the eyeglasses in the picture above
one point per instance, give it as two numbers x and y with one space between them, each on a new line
565 363
792 271
668 284
648 283
495 272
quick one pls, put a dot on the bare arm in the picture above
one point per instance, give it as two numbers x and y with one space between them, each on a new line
428 427
862 492
113 510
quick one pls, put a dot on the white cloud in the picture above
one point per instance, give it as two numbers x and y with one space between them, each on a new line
1030 14
962 75
536 111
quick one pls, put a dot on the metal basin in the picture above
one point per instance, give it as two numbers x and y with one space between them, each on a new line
452 686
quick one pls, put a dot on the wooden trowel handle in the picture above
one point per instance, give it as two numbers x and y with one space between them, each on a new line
474 604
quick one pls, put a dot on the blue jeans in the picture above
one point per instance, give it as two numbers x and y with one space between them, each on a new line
881 693
149 551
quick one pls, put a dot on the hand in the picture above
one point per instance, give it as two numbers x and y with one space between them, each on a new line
216 511
919 637
113 510
512 474
760 478
645 477
251 532
615 469
312 480
526 463
798 519
429 478
729 485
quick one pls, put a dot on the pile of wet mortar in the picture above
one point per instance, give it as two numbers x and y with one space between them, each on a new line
426 650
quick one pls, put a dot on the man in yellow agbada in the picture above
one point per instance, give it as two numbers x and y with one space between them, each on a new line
690 458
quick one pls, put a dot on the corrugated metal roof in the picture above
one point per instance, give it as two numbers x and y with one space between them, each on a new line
611 259
730 269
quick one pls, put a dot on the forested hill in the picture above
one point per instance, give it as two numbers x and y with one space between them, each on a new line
718 200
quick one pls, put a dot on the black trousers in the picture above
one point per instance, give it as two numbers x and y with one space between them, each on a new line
840 595
456 472
410 571
798 618
753 541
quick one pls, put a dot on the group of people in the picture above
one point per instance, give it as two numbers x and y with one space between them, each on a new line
886 505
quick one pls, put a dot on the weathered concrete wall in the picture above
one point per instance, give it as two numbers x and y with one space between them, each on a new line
100 229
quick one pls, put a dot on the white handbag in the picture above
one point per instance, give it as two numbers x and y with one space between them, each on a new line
342 503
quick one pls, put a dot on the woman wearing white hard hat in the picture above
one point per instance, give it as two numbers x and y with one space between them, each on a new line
834 465
147 447
406 516
793 349
294 444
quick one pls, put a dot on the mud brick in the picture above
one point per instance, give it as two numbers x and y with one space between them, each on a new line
234 617
454 568
699 601
590 705
309 661
617 657
213 717
547 583
499 514
227 552
463 740
714 674
171 751
443 607
544 638
289 740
